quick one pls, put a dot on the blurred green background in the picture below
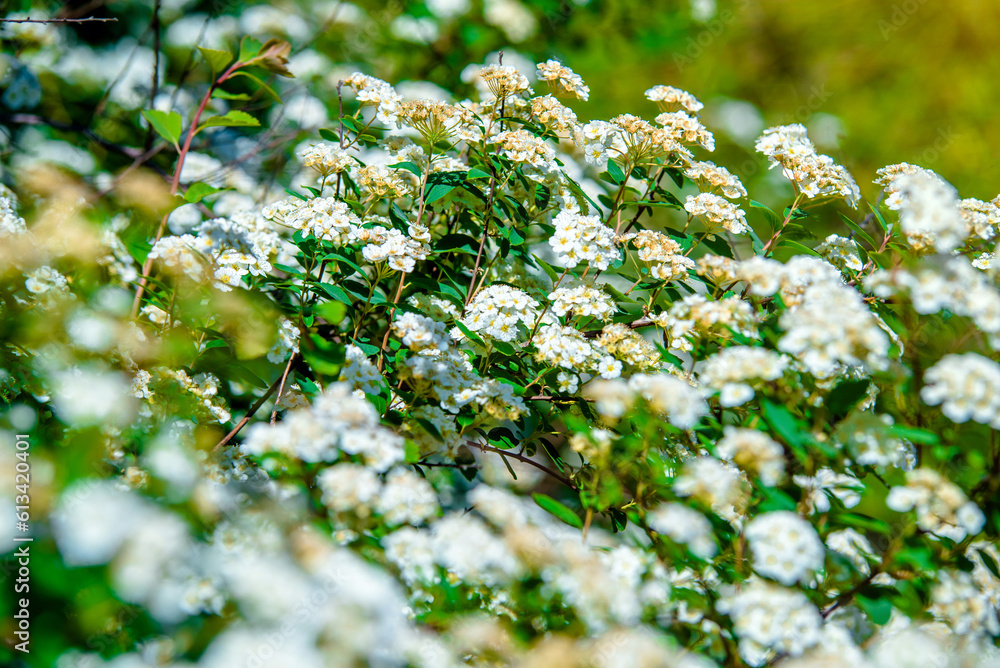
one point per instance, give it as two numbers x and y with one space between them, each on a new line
876 81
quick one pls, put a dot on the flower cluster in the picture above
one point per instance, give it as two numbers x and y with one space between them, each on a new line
326 159
563 80
941 506
499 311
473 393
582 301
967 387
814 174
717 211
663 254
785 547
580 238
737 372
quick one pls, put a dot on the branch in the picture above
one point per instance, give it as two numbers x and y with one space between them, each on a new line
253 409
281 387
521 458
32 119
90 19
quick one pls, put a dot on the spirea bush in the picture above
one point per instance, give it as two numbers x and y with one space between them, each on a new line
475 383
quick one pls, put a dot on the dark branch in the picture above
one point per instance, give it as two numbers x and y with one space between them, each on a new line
521 458
90 19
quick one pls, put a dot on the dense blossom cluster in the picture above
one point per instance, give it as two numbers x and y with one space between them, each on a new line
815 175
486 389
585 239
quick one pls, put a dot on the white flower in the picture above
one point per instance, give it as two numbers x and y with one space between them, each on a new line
718 211
406 498
500 311
966 387
767 618
581 238
941 505
349 488
785 547
685 525
818 489
89 395
609 368
755 451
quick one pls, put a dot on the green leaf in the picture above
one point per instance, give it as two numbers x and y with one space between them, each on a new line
859 521
772 218
616 173
468 332
676 175
408 166
919 557
581 194
366 348
167 124
226 95
333 312
619 520
216 59
411 451
549 270
879 218
799 248
477 174
755 242
336 292
921 436
783 423
199 191
273 57
859 232
234 119
323 356
329 135
990 563
259 82
457 243
249 48
448 178
878 609
436 192
846 394
557 509
775 499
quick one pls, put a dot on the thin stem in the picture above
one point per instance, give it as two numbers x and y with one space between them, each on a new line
147 266
521 458
486 230
193 128
634 285
281 387
155 83
246 418
784 223
90 19
392 314
541 315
